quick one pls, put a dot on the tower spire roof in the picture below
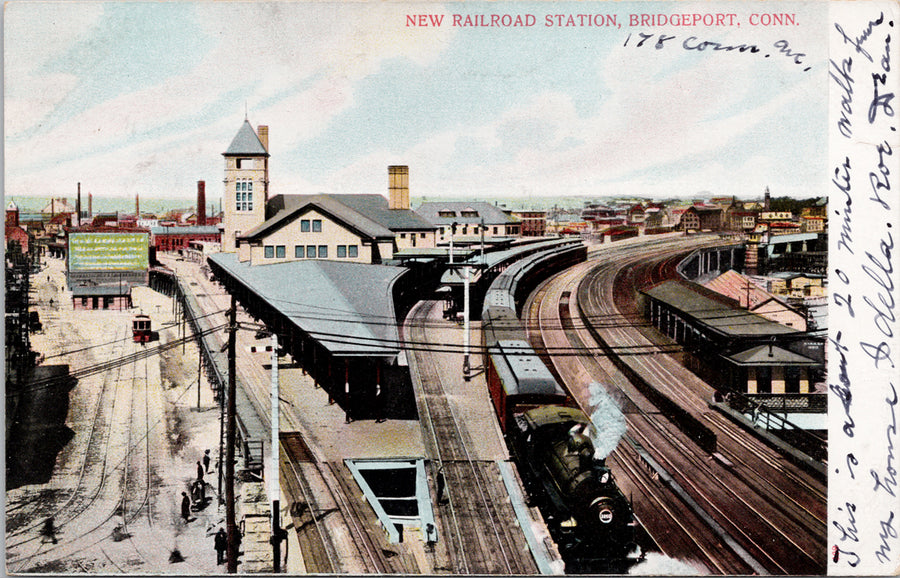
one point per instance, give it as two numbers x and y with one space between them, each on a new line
246 142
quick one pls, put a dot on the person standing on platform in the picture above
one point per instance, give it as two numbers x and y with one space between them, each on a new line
347 417
379 404
221 545
206 461
199 471
185 507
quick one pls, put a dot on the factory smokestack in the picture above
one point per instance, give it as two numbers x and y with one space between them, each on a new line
91 206
398 187
78 207
201 203
137 207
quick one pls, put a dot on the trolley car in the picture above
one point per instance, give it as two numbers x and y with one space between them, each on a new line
141 328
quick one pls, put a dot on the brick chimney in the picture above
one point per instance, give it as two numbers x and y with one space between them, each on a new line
263 133
201 203
398 187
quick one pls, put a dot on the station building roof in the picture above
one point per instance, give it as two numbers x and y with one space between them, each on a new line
347 307
117 290
445 213
367 215
767 355
716 312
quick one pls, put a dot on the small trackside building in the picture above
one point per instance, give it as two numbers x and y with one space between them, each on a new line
731 348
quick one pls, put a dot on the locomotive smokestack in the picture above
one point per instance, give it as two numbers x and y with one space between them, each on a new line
201 203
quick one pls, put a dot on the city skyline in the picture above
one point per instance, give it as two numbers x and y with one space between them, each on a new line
142 98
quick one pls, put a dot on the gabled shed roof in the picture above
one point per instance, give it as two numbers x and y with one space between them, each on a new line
715 311
347 307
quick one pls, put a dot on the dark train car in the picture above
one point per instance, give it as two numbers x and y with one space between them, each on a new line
586 512
141 328
518 380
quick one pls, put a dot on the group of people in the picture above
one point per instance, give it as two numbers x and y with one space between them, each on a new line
198 489
198 497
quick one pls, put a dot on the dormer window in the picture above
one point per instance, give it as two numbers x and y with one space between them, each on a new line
469 214
447 214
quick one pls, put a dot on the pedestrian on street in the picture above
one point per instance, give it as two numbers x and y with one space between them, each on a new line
206 461
221 545
199 471
185 507
48 531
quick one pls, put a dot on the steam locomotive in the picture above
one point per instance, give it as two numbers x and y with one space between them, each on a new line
588 516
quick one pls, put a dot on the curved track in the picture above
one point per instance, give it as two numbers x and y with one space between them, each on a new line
108 508
757 502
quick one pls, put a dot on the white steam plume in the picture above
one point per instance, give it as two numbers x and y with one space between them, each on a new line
656 564
608 420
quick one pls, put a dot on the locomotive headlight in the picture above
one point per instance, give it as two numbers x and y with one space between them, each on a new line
606 515
604 478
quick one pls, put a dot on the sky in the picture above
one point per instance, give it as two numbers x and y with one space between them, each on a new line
133 98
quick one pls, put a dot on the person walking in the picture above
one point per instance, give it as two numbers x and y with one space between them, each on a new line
48 531
221 545
185 507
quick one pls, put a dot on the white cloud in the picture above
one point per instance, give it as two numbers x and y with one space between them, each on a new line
296 65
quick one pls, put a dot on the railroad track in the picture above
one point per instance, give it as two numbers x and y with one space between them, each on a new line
476 532
332 526
678 532
800 520
114 487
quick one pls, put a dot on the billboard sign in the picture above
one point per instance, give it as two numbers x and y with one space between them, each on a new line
109 251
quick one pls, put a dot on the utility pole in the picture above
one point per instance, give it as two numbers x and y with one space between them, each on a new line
231 528
274 478
466 366
452 230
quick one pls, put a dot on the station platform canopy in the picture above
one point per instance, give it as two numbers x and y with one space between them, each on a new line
347 307
720 314
454 275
